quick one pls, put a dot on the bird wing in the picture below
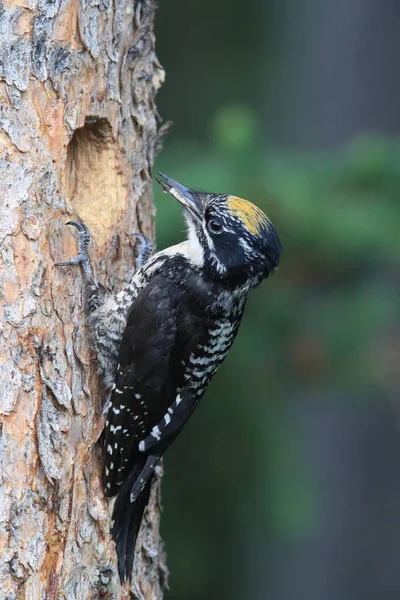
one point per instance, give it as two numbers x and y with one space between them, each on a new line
172 422
147 379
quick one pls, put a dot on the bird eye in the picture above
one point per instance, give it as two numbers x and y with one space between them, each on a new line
214 226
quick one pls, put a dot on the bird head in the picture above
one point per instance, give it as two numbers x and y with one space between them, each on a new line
230 238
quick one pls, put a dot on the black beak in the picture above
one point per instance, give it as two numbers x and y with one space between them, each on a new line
187 197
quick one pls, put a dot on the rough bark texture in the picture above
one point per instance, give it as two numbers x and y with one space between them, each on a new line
78 137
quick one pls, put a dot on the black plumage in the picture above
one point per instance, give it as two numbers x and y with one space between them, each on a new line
161 339
167 329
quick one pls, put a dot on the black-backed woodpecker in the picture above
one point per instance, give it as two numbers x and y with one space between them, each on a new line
161 339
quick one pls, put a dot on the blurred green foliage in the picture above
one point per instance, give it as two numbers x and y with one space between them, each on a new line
321 322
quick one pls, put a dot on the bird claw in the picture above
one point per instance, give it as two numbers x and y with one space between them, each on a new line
82 258
144 249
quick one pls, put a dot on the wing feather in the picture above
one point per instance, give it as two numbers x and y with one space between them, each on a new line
144 385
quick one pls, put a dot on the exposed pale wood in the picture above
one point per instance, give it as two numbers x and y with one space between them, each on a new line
78 135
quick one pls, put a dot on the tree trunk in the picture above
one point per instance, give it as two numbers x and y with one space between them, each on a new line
78 137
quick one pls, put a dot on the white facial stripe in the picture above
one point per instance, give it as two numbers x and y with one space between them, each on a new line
194 250
246 247
210 242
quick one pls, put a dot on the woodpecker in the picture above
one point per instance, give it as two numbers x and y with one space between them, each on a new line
161 339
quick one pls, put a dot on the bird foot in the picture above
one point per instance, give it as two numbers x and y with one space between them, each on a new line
82 257
144 249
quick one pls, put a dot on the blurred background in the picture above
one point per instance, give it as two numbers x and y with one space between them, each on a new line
285 485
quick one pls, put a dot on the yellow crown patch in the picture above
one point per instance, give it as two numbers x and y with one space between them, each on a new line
252 216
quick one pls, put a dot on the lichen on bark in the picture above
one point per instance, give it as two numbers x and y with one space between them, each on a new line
78 136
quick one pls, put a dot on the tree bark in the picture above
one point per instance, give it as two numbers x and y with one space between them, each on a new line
78 136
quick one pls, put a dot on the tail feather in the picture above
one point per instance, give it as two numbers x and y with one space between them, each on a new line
127 517
140 506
